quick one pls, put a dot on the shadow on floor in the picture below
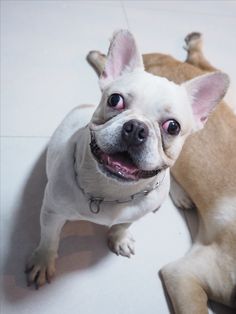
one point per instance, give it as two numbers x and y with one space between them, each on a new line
82 244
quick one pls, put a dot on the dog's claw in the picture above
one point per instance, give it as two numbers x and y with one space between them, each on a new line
121 244
132 250
48 278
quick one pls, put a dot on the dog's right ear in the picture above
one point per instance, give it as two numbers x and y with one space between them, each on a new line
123 56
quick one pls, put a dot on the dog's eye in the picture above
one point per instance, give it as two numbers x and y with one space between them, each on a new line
171 127
116 101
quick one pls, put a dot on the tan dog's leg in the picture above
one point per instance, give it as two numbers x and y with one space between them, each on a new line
197 277
193 47
195 55
184 288
120 241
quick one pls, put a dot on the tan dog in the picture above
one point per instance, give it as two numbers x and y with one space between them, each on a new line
206 172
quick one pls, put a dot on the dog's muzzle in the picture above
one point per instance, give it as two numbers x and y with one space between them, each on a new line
120 164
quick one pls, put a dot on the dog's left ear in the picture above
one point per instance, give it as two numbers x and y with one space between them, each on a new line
205 92
123 56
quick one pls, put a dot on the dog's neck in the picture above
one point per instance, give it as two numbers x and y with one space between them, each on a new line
93 182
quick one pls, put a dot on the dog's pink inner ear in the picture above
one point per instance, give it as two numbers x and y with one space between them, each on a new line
206 92
123 56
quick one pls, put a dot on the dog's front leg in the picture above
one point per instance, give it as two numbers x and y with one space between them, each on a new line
120 241
41 265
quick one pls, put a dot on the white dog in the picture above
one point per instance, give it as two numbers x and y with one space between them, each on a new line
116 169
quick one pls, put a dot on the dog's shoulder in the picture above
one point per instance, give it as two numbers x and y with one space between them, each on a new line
75 120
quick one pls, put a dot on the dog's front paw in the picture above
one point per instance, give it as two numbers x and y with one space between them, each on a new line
179 196
121 243
40 268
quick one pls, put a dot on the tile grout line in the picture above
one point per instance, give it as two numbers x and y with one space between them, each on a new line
25 136
179 11
125 14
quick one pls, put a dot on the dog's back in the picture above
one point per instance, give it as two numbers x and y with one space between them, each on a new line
167 66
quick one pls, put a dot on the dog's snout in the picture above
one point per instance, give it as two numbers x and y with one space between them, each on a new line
134 132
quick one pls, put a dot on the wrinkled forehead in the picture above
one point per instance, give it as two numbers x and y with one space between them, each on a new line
150 93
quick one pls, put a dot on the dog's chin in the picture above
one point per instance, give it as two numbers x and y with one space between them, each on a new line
120 165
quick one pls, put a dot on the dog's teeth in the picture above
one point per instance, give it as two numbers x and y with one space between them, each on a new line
122 172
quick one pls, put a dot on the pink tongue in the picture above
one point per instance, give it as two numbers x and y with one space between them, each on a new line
120 162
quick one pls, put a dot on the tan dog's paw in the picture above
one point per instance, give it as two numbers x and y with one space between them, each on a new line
95 55
179 197
193 41
121 243
97 60
40 268
182 201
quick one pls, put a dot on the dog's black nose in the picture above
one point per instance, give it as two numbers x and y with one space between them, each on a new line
134 132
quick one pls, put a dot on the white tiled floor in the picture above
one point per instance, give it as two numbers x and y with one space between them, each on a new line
43 75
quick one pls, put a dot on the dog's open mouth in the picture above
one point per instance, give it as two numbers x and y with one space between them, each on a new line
120 164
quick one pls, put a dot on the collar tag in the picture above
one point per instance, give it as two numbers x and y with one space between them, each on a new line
94 204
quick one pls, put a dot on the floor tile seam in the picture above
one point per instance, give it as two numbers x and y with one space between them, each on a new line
26 136
125 14
127 7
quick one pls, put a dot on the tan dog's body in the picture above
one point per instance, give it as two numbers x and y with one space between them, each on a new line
206 172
